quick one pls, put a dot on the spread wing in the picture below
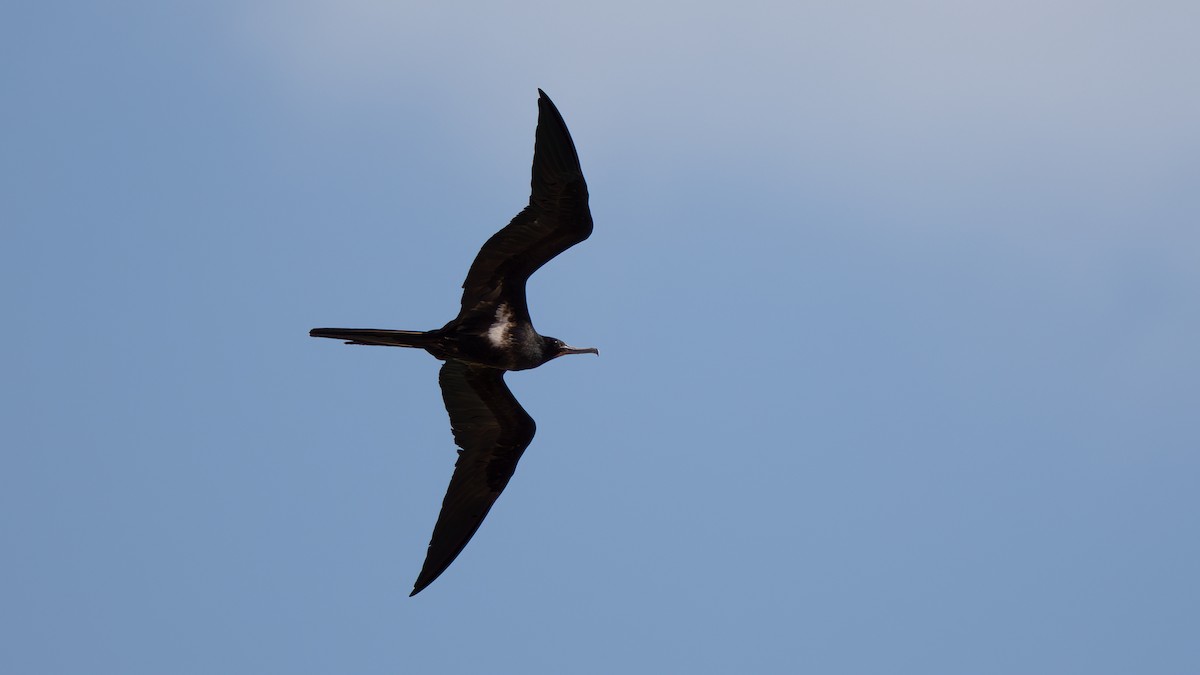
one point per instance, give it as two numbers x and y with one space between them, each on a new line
492 431
556 219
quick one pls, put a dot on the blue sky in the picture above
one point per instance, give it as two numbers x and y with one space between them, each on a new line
897 303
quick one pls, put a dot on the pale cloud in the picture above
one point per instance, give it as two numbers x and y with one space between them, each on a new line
1063 128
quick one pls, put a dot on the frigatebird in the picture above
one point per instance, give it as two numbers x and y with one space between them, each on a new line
493 334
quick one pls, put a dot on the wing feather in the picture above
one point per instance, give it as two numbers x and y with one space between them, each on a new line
492 430
557 218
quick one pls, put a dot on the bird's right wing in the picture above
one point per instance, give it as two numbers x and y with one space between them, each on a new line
492 430
556 219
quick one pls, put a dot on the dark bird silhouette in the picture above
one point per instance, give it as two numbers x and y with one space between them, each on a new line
493 334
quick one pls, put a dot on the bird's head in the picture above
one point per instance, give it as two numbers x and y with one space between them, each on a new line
555 348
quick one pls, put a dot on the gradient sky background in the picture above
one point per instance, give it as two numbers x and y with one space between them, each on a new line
898 306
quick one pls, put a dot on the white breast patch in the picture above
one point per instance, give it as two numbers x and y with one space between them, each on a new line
498 333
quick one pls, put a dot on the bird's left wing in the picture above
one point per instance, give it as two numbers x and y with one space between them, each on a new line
556 219
492 431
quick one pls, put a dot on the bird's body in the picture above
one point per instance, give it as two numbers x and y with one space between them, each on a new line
492 334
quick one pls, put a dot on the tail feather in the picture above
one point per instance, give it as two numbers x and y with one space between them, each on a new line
374 336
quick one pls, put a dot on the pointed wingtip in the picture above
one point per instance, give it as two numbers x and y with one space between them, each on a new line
422 582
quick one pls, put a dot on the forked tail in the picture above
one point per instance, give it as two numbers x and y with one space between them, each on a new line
373 336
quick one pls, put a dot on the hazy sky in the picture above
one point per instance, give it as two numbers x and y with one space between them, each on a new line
898 306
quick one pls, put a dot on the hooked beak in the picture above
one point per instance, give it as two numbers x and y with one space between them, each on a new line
577 350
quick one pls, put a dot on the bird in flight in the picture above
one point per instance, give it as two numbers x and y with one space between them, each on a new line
493 334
